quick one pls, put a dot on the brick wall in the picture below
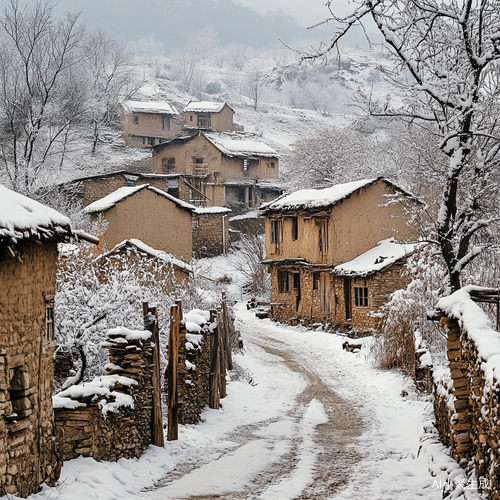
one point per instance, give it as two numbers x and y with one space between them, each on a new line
110 418
27 453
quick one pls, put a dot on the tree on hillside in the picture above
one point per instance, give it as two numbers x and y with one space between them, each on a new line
39 101
334 156
450 52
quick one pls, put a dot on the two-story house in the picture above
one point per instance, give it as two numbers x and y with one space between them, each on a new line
223 170
208 115
336 254
146 123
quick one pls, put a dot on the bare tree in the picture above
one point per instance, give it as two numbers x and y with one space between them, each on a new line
450 52
109 77
254 86
37 108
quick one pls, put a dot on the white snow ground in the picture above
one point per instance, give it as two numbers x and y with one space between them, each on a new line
268 441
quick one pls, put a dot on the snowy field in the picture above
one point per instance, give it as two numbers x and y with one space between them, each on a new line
303 420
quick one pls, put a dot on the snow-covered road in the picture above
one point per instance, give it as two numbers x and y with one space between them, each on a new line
304 420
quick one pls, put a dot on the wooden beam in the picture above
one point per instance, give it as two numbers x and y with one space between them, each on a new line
172 371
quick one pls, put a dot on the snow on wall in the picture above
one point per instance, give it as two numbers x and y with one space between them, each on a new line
21 217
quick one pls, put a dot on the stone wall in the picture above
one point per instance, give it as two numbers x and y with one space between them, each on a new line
110 417
195 352
27 453
467 399
285 305
210 232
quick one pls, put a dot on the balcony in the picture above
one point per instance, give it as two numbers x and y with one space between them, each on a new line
200 168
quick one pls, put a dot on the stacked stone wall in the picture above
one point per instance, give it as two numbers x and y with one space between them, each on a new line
210 234
28 456
195 353
110 418
467 410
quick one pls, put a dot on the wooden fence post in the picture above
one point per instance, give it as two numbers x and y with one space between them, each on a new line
151 324
214 399
229 355
222 355
173 358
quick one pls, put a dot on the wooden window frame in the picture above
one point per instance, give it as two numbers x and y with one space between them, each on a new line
50 327
361 296
295 228
283 281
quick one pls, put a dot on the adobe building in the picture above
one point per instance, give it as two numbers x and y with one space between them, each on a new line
223 170
146 123
208 115
146 213
29 234
336 254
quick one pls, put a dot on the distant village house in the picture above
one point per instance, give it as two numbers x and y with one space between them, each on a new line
208 115
336 254
147 123
223 170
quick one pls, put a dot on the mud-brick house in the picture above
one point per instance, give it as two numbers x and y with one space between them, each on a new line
336 254
208 115
223 170
146 123
146 213
29 234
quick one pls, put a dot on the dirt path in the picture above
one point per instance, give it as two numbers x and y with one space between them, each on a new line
327 448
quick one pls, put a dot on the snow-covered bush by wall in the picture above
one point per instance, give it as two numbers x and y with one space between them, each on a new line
404 326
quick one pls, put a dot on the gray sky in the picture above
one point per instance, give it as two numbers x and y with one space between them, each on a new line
307 12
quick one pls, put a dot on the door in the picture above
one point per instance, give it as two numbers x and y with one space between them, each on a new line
347 299
325 297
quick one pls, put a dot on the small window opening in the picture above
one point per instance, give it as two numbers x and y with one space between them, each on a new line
135 120
283 281
296 281
49 318
295 228
361 296
316 278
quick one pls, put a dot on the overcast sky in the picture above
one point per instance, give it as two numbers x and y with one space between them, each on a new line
307 12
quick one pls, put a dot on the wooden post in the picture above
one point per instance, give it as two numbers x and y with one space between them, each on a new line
229 355
214 400
151 324
173 358
222 356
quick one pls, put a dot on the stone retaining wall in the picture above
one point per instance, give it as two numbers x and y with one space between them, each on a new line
467 398
195 352
110 417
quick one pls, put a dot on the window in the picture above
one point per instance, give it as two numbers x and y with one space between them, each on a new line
296 281
282 281
272 164
295 228
316 278
49 319
190 118
276 232
195 223
151 141
323 236
165 122
135 120
198 160
204 121
361 296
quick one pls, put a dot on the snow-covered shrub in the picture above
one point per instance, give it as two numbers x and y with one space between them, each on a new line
94 295
404 326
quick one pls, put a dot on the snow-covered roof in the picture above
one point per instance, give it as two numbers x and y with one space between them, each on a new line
120 194
385 253
153 252
315 198
212 210
157 107
242 148
21 217
204 107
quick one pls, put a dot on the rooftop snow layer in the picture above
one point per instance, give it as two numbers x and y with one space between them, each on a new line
140 245
149 107
315 198
385 253
212 210
21 217
204 107
120 194
239 147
